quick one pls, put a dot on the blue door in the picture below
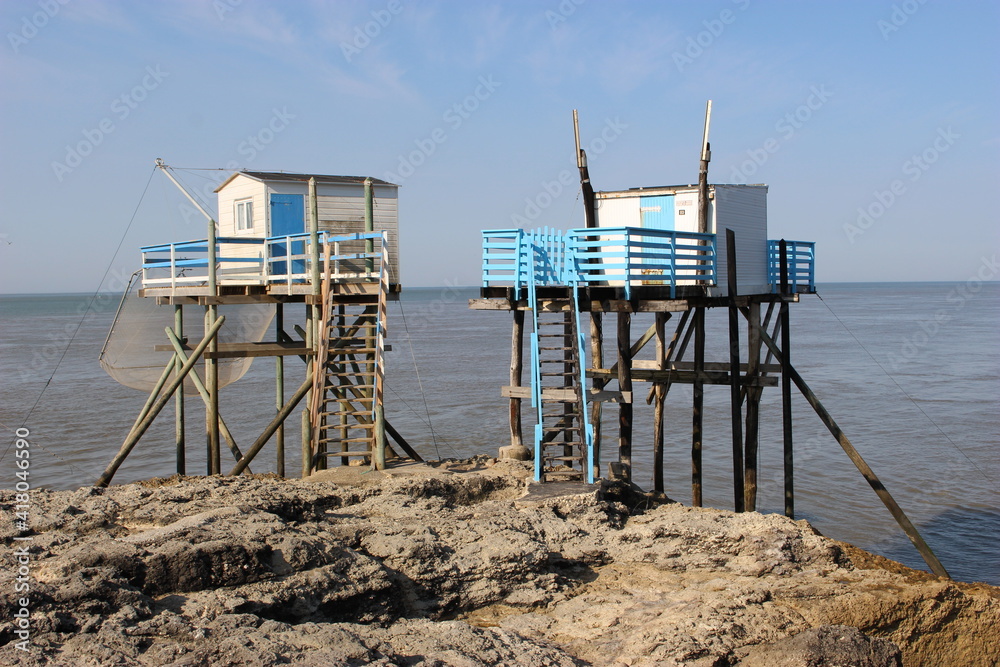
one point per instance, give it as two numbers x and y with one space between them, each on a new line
657 212
288 217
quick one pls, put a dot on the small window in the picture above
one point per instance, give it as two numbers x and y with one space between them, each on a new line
244 215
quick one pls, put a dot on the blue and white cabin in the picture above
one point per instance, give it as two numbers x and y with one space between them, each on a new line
263 240
649 238
742 208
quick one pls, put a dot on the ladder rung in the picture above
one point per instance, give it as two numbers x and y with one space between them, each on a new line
558 429
352 350
558 374
561 349
335 440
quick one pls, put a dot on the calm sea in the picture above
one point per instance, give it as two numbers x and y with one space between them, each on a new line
911 371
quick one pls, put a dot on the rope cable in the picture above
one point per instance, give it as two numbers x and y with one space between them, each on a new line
79 325
903 391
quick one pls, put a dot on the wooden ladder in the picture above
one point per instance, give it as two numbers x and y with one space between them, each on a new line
561 432
348 378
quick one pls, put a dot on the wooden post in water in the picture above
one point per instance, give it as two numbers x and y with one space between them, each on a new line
625 385
698 400
516 376
179 396
734 373
279 388
660 396
307 455
214 463
597 359
786 388
753 394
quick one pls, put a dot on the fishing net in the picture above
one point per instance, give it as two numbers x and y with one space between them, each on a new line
129 355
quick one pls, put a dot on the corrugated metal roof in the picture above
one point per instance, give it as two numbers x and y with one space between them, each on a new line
303 178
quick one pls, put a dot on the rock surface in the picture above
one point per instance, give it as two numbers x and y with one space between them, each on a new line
455 565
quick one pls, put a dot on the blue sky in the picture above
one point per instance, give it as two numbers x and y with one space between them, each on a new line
875 124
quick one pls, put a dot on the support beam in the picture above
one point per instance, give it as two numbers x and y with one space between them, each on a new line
597 359
659 324
138 431
859 462
200 386
401 441
698 401
286 410
179 445
279 389
625 385
214 463
753 394
786 389
516 375
736 403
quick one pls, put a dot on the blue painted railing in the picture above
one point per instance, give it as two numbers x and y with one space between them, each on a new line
259 261
634 255
623 256
801 257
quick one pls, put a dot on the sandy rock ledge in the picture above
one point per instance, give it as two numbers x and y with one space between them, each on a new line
449 564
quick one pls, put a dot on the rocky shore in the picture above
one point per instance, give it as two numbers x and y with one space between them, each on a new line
459 564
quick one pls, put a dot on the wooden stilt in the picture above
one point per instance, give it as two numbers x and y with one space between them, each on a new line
213 463
753 394
597 359
786 389
660 322
179 444
279 389
516 375
200 386
698 406
307 453
378 459
734 373
140 428
625 385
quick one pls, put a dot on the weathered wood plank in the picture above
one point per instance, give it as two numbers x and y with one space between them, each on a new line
593 395
683 377
243 350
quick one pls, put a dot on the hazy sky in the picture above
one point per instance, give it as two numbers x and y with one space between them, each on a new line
875 123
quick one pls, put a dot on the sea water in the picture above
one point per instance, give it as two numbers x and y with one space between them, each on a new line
910 371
